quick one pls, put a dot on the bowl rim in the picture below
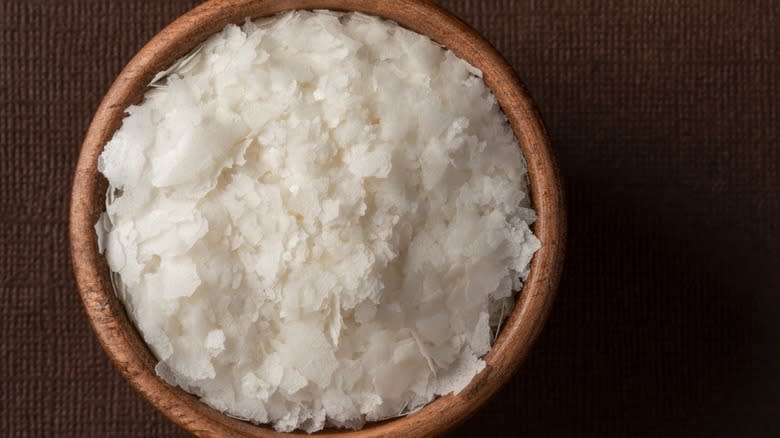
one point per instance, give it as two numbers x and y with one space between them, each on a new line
121 340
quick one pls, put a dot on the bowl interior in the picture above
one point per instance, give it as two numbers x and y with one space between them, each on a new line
123 343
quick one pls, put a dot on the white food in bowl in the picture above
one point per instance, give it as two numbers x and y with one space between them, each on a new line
317 219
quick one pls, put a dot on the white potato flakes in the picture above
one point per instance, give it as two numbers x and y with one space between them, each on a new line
317 219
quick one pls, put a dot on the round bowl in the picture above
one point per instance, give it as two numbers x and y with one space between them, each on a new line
123 343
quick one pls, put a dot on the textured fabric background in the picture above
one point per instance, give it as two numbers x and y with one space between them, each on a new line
666 119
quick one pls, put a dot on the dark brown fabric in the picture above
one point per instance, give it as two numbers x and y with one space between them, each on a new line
666 121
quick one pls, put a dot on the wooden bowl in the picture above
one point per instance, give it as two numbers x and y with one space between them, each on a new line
123 343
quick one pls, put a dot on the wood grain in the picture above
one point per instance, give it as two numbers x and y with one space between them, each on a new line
123 343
